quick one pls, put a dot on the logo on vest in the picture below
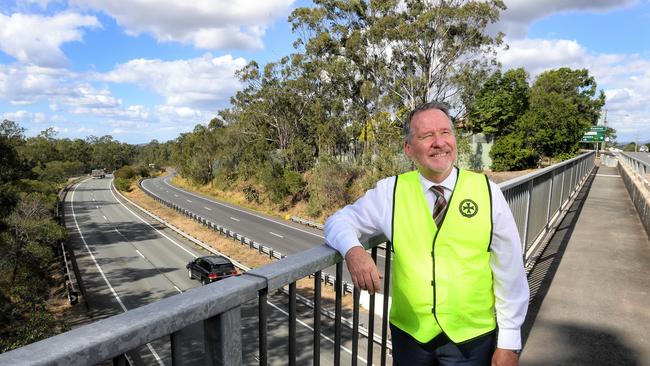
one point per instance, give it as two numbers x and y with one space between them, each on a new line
468 208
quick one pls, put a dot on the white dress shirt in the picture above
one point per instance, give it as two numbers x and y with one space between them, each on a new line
372 215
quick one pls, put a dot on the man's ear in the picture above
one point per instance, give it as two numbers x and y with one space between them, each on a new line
407 150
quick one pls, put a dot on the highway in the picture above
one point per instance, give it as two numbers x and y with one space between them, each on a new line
643 156
127 260
283 236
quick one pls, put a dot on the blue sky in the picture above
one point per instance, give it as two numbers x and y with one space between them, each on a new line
141 70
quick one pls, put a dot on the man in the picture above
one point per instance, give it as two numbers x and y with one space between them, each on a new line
457 253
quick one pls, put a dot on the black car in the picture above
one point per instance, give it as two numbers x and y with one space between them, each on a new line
211 268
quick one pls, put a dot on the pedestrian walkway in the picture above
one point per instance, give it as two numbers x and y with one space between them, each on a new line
590 291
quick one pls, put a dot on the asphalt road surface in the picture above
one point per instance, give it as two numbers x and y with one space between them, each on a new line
283 236
643 156
127 260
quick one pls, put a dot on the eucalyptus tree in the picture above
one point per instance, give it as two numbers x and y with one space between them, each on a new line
563 104
500 102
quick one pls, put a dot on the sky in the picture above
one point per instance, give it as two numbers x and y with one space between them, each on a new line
140 70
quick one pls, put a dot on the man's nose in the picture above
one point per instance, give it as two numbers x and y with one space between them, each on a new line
436 140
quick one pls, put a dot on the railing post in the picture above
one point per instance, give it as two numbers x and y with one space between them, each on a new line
183 347
550 200
562 188
317 310
223 344
262 312
529 199
120 360
292 324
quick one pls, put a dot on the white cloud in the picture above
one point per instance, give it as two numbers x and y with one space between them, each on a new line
84 99
201 82
61 130
520 14
23 116
537 55
207 24
36 39
21 84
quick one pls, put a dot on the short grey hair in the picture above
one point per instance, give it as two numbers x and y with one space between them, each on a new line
443 107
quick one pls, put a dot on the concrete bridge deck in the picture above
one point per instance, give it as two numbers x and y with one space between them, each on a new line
590 291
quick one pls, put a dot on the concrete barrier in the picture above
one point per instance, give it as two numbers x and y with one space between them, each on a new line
639 191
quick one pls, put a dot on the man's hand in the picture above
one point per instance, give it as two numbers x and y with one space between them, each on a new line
505 357
363 270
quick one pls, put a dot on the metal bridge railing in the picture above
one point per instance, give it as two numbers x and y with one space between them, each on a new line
638 187
536 199
640 167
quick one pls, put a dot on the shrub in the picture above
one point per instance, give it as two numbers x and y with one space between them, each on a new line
510 153
122 184
279 182
329 186
125 172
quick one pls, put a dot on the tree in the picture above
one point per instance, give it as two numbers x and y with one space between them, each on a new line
441 50
108 153
512 152
502 100
563 104
391 56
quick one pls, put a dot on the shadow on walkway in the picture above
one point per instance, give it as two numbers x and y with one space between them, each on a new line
542 275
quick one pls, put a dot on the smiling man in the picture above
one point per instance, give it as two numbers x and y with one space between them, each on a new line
458 276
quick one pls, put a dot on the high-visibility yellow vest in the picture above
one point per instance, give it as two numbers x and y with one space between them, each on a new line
442 280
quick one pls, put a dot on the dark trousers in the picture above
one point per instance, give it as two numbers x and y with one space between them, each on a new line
441 351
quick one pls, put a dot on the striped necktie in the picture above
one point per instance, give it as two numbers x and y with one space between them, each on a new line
440 205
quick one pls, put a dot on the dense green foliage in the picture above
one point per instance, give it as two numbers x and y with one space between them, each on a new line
32 171
127 174
28 234
546 120
502 100
340 99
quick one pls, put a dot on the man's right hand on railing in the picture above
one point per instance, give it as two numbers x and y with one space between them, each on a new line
363 270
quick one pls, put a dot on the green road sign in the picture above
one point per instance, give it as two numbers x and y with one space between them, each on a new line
592 137
595 134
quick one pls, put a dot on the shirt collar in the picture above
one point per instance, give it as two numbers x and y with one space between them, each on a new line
448 184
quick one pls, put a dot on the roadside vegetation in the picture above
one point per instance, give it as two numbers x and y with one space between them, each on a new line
310 132
307 133
32 172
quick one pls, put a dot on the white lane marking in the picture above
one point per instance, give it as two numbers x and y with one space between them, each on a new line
278 235
240 210
177 289
608 175
189 201
74 216
104 217
207 208
158 231
97 207
142 255
166 191
273 305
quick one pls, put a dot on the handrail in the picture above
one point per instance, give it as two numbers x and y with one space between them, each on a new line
538 198
641 168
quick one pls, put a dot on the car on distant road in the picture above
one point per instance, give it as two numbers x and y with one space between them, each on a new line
98 173
643 148
211 268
